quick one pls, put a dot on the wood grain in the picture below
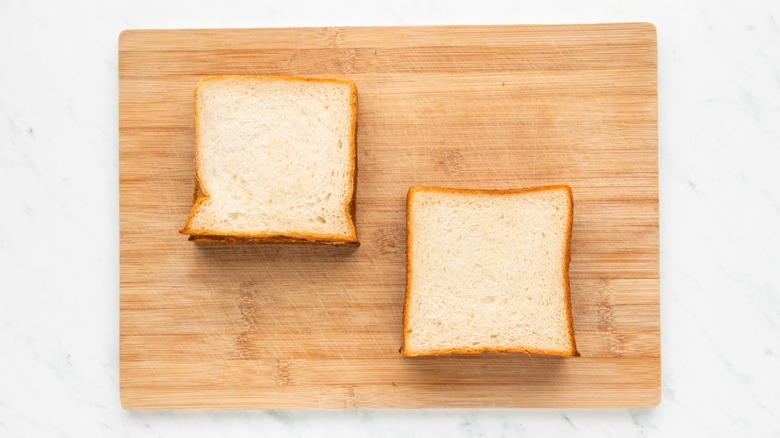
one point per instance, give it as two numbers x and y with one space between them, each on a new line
299 326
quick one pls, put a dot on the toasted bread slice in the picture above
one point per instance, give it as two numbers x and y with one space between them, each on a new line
487 270
275 160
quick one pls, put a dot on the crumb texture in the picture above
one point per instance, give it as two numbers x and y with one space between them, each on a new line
488 272
274 156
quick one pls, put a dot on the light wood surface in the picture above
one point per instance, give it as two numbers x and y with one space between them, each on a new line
302 326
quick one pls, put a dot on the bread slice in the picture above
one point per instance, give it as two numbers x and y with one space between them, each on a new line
274 160
487 270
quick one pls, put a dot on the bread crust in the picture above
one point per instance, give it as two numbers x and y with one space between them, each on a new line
200 195
265 239
572 352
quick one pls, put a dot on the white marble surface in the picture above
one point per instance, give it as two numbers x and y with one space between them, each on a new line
719 88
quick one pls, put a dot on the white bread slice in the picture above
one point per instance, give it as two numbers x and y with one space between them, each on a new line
487 270
275 160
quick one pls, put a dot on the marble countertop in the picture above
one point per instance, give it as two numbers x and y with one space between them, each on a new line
719 130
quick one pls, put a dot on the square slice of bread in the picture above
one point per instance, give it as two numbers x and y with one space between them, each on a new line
487 270
274 160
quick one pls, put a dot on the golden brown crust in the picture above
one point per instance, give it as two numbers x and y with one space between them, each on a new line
567 260
268 239
410 197
200 195
472 351
349 208
407 296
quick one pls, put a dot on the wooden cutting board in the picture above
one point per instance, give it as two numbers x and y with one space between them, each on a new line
301 326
